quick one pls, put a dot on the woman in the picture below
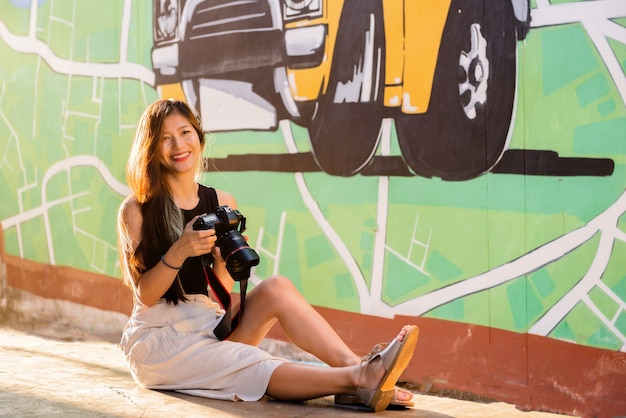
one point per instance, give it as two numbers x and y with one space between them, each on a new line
169 341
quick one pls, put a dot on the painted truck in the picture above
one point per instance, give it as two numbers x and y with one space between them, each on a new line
443 70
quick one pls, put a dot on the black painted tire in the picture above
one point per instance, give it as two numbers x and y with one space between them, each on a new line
344 123
463 133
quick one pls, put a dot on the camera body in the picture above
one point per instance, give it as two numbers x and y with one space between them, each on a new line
229 224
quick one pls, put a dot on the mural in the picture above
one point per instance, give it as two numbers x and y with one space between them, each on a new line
458 160
339 70
443 90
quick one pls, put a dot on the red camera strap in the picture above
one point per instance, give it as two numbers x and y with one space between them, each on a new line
227 325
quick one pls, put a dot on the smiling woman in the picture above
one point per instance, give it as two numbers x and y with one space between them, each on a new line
173 339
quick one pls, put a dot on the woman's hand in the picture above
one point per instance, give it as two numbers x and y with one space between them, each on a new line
192 243
217 254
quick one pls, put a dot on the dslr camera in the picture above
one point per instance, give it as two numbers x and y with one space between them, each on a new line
229 224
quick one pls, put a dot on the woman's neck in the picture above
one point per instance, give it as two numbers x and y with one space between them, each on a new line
184 192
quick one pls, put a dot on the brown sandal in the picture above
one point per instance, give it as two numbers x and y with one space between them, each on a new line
395 357
354 401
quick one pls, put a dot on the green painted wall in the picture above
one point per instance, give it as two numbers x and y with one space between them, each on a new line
543 254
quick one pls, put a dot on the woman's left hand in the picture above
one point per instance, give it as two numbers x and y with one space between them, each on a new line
217 254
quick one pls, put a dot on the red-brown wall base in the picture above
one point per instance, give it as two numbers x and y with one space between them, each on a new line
534 373
66 283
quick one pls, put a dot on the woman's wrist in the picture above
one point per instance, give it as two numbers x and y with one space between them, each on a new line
170 265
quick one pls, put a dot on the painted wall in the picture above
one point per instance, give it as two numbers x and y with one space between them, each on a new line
375 177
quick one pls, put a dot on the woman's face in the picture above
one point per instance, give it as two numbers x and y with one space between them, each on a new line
180 145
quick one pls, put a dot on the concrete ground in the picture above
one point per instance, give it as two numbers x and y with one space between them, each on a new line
70 373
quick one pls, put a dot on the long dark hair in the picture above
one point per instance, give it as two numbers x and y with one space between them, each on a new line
163 221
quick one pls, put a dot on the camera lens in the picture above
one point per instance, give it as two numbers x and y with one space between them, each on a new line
239 257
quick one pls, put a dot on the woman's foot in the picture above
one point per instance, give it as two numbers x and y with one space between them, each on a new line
382 368
402 398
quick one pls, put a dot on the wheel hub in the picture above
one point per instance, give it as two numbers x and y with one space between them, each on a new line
474 73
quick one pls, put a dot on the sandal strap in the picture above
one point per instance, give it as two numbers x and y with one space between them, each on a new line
375 350
369 356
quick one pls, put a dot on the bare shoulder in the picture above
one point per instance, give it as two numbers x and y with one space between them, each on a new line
129 206
225 198
130 211
129 221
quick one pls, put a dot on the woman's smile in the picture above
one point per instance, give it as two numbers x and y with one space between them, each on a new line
181 156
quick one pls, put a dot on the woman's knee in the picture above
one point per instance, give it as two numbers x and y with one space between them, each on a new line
277 287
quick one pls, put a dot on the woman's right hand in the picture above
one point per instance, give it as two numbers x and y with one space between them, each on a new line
192 242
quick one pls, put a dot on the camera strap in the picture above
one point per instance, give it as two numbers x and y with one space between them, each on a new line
227 324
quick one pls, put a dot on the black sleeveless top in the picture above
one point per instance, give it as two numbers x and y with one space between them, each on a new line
192 274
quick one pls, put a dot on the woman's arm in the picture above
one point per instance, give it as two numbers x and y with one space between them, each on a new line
150 286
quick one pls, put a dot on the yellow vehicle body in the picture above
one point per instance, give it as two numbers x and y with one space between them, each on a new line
413 30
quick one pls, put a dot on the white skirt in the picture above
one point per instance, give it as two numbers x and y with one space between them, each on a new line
172 347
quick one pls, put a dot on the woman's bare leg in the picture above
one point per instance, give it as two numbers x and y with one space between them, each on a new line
300 382
277 299
297 382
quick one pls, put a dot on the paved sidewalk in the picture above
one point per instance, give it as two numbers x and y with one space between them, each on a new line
65 373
